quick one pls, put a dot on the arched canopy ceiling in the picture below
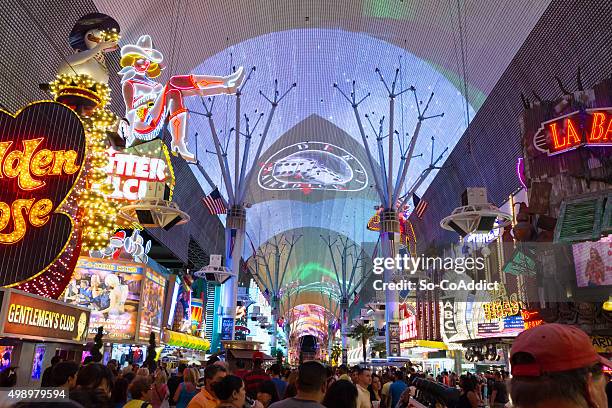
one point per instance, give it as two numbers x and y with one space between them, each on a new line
315 44
191 31
309 319
315 123
310 275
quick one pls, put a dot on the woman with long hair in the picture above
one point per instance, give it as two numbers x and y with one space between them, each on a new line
119 393
375 387
231 392
469 394
595 268
159 389
187 389
291 390
341 394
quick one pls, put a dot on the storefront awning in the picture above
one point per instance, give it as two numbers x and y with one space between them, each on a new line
177 339
437 345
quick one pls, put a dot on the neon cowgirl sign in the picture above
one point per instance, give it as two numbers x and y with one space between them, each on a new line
591 128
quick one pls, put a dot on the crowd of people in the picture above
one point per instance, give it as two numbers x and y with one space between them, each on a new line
552 367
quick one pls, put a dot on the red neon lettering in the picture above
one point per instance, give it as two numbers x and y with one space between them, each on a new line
598 121
572 136
556 144
598 134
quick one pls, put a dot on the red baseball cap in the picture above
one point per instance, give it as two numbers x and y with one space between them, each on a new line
554 347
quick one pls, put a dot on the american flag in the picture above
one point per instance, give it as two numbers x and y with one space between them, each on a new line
214 202
419 205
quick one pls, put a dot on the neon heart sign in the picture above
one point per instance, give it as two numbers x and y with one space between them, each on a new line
41 158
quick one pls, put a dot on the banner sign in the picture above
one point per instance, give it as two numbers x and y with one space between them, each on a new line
112 291
41 155
227 324
602 344
27 315
394 339
408 328
592 127
151 305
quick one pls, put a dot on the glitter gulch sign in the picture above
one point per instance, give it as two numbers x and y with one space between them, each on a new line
41 158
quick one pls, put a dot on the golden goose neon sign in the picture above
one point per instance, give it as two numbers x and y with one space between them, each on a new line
29 166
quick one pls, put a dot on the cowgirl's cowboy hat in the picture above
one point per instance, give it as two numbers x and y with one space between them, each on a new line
144 48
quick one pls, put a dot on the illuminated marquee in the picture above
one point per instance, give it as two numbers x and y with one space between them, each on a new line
25 315
531 318
408 328
592 127
143 171
502 305
41 156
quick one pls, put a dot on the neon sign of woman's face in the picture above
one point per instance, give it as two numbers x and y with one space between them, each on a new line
141 65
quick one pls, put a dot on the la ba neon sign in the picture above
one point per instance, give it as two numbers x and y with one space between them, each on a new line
592 127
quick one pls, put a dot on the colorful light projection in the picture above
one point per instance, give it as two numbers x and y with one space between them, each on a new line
308 166
42 151
318 58
309 319
149 103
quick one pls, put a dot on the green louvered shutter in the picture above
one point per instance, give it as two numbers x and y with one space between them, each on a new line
606 223
580 219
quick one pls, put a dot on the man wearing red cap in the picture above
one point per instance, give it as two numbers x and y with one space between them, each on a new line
254 378
556 366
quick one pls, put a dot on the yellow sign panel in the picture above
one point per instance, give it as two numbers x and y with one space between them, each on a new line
602 344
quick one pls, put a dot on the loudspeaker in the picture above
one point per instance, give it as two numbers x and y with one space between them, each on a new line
144 217
457 228
172 223
486 223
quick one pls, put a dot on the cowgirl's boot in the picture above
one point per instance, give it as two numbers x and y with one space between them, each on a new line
178 129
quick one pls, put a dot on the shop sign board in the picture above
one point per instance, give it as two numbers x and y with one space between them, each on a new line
602 344
448 319
29 316
42 150
592 127
408 328
142 171
531 318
